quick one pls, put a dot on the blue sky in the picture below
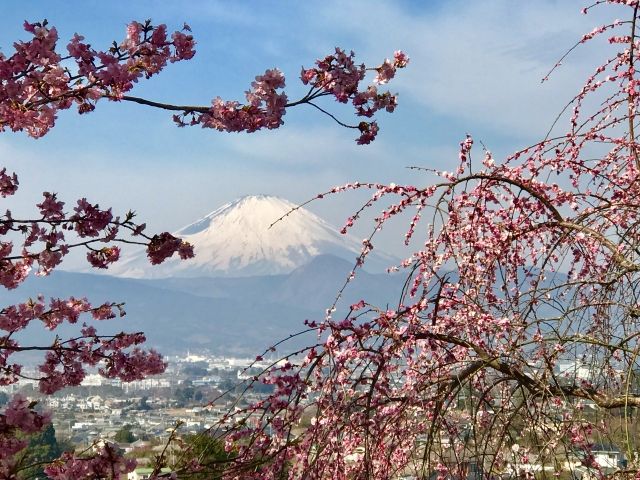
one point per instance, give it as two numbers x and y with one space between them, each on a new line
475 68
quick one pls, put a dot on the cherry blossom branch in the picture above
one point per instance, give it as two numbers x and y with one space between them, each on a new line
38 89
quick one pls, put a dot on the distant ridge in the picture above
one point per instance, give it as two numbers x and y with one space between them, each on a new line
226 315
236 240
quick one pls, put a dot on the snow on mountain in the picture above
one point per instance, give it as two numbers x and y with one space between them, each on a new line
236 240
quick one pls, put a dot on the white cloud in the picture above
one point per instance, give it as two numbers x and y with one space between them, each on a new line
481 62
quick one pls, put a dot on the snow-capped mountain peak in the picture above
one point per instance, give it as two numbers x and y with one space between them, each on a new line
237 239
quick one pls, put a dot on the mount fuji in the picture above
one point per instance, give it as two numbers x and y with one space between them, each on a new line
237 240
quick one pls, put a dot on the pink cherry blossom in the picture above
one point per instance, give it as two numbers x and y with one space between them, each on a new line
163 246
104 257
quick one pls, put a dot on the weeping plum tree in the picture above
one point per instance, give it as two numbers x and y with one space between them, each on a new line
514 347
37 81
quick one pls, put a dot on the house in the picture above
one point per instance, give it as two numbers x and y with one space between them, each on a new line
144 473
608 456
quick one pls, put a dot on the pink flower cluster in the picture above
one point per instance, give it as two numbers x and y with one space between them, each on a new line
66 360
8 183
265 108
18 420
65 364
164 245
104 257
106 462
387 70
19 415
89 222
338 75
34 84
